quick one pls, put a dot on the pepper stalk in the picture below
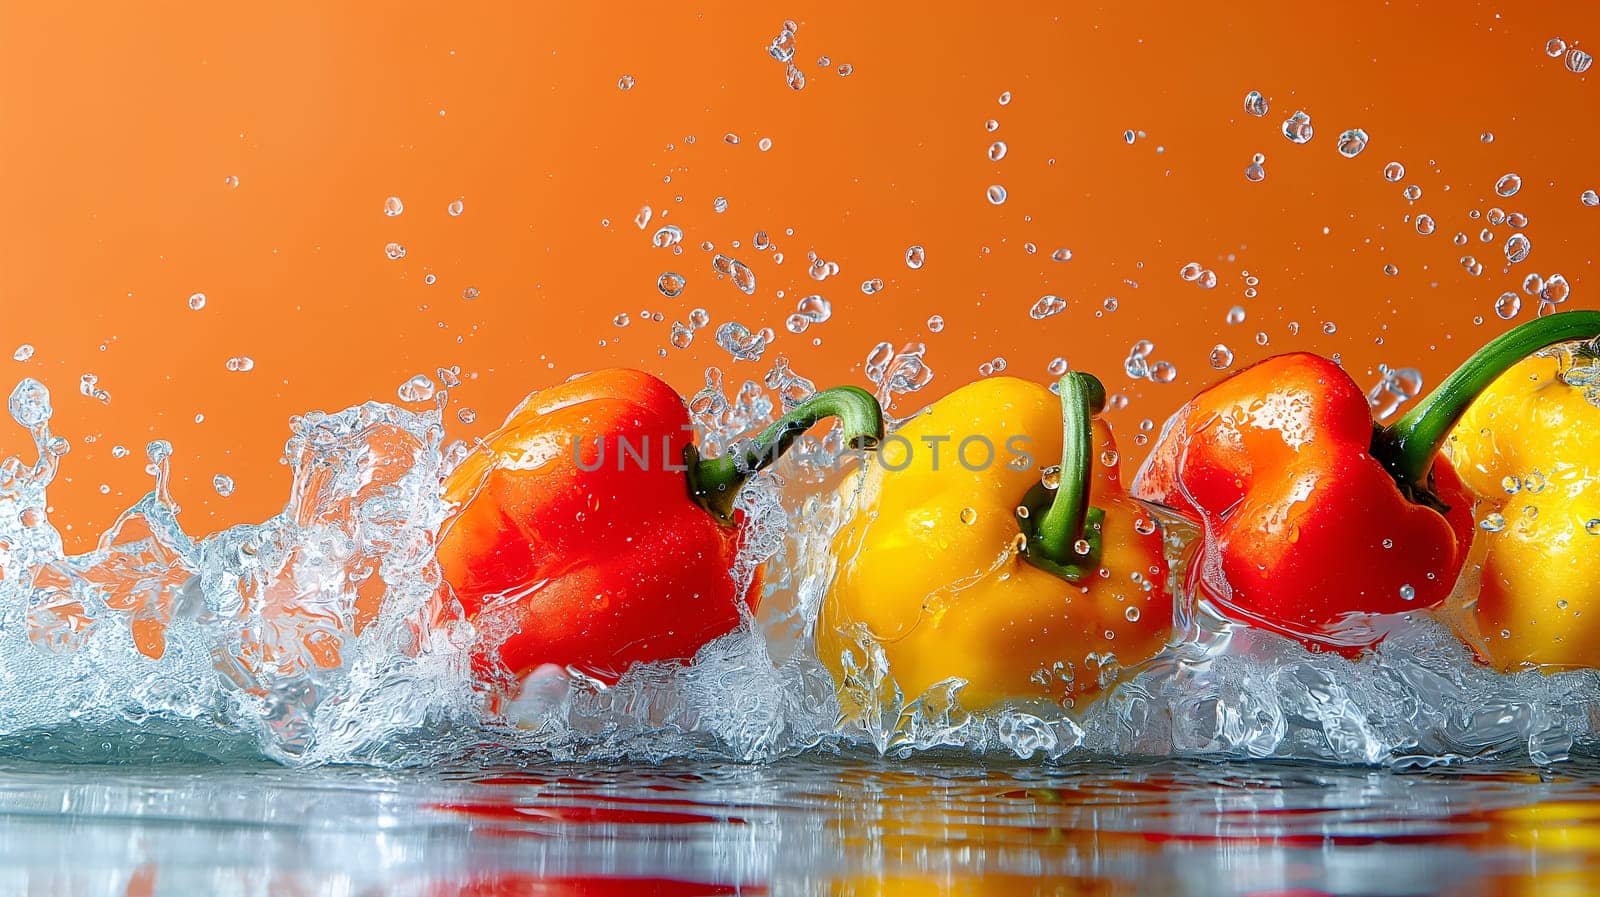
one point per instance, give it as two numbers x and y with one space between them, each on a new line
1066 520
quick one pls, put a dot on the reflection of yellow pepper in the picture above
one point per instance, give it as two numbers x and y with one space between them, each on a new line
941 568
1530 447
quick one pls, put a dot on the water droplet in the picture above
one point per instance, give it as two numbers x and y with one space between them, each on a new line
1496 215
1517 220
1255 172
1493 522
625 82
197 301
394 251
1554 47
915 257
996 194
1407 593
1190 272
969 516
1221 357
1297 127
1590 198
455 208
667 236
1578 61
223 484
1507 306
1110 303
1207 279
470 293
1255 103
1235 315
620 320
23 353
1144 526
1005 98
1131 614
1487 137
845 70
231 180
1061 255
1508 185
997 151
1046 307
872 285
935 323
1057 366
1163 372
764 144
1517 248
719 205
419 388
1412 192
1425 224
1352 142
681 336
240 363
1393 172
1129 137
1592 527
1081 547
393 206
1555 290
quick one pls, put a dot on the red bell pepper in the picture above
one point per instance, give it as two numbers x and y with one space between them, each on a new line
1312 516
590 534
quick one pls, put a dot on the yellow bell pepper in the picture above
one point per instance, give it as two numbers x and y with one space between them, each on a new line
991 572
1530 448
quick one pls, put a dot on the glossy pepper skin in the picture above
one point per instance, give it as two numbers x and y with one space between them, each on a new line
1312 517
1539 602
937 567
567 548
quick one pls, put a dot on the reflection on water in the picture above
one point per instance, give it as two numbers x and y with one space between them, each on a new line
811 826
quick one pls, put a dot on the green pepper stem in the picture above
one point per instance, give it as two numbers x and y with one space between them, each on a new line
1409 445
1062 525
713 482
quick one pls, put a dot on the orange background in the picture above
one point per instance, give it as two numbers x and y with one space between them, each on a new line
119 124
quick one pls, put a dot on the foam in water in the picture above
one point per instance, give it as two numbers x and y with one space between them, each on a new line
323 635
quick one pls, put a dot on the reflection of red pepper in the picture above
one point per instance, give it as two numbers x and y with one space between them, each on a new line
590 534
1309 513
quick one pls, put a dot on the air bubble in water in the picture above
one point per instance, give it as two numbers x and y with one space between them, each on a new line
240 363
1425 224
996 194
1352 142
1507 305
1221 357
1508 185
1297 128
197 301
393 206
1046 307
394 251
997 151
1393 172
1517 248
1255 103
670 284
915 257
223 484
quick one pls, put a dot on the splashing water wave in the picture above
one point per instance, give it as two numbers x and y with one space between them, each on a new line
322 635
